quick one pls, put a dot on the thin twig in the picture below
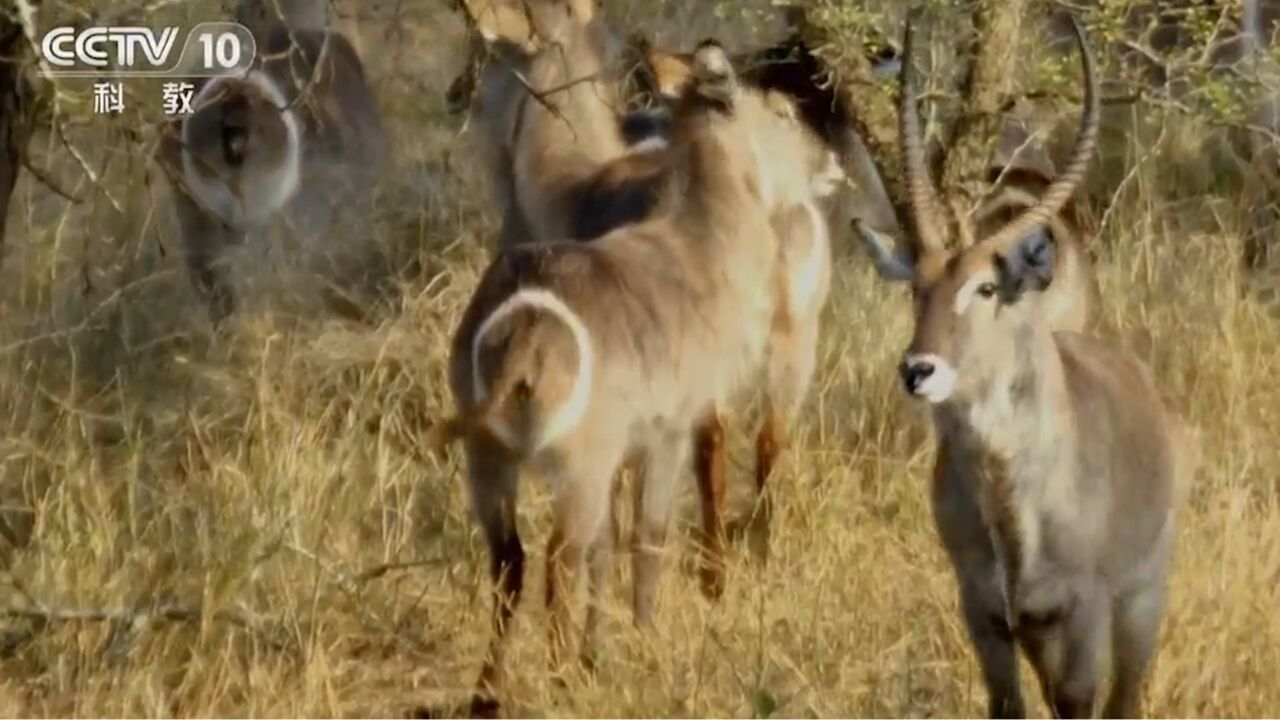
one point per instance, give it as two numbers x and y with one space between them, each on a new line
88 170
352 586
382 569
44 179
542 95
135 617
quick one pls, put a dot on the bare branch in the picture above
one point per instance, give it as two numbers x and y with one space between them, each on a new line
378 571
353 585
136 617
44 179
541 95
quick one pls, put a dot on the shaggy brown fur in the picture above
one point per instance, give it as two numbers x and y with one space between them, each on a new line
573 356
1057 464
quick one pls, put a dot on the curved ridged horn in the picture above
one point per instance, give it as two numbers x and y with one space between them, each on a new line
920 190
1060 191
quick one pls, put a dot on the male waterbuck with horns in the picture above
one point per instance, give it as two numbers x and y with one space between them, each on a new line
571 356
1054 485
299 136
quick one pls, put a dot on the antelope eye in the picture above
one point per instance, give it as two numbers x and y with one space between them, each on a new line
987 290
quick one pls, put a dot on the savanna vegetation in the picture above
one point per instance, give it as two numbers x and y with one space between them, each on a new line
246 520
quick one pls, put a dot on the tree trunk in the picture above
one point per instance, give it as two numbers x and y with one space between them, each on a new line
12 125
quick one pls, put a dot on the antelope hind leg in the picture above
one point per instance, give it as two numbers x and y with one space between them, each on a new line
584 490
709 467
599 562
492 487
655 491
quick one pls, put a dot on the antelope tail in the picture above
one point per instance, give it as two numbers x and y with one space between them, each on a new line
460 426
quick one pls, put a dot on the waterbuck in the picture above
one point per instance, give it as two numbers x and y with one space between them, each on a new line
554 108
798 294
571 356
298 137
545 118
1054 484
542 88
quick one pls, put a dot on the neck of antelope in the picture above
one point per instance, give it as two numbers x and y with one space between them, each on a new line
722 212
1016 434
583 125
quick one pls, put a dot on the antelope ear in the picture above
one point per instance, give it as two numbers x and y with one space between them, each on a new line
501 21
671 73
584 10
1027 266
713 74
888 262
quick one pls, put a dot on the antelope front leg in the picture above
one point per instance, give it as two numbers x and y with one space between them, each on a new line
564 562
993 641
982 597
710 470
492 485
205 240
769 445
792 359
1135 630
1064 650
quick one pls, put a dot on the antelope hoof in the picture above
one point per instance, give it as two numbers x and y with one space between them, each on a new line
711 575
755 529
484 706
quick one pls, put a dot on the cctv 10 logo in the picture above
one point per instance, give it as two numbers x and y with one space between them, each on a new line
209 50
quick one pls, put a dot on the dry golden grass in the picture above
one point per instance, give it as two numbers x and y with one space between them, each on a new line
269 479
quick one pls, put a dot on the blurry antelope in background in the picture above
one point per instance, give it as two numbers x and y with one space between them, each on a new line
14 131
572 356
299 138
541 83
543 89
1054 484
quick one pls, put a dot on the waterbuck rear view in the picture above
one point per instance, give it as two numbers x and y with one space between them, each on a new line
1054 484
298 137
571 356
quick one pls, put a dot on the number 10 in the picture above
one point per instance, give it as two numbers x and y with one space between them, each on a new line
226 50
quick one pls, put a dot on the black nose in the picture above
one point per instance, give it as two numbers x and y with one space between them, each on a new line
914 372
